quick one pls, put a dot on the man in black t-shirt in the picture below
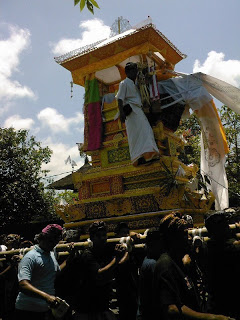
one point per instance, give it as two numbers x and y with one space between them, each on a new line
223 265
126 278
174 292
153 250
92 276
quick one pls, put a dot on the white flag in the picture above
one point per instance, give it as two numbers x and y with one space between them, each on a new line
74 163
68 160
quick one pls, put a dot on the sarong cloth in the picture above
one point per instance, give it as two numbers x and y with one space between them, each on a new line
92 116
140 135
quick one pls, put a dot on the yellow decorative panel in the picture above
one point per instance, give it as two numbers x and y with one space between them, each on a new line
109 115
112 105
172 147
100 187
108 61
149 35
118 207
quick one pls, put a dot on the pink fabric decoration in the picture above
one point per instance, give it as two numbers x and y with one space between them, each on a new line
95 126
52 228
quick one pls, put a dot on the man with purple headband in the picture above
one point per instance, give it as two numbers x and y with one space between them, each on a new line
36 276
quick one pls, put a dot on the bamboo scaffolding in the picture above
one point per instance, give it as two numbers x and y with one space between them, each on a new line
62 249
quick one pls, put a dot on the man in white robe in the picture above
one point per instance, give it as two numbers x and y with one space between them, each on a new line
142 145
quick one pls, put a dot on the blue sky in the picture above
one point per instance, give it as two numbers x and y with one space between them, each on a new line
35 90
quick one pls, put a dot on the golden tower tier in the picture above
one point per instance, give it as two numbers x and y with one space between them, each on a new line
110 188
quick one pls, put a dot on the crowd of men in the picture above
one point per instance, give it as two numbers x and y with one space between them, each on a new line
174 277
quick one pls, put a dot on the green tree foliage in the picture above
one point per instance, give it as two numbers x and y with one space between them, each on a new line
231 123
190 131
23 198
89 3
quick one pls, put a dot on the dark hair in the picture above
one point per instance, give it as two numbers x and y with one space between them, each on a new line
130 66
26 244
153 234
97 226
171 226
212 221
121 225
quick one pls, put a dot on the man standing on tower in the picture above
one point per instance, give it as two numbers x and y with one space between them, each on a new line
142 145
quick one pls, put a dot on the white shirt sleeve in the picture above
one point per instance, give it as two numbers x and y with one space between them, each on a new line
122 91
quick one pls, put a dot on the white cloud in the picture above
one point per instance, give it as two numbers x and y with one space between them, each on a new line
95 30
216 66
56 121
5 107
60 154
10 50
18 123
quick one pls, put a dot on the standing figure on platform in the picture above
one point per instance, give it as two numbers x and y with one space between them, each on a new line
141 140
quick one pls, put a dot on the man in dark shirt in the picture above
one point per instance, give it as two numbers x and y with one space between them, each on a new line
126 278
223 265
153 249
93 273
174 292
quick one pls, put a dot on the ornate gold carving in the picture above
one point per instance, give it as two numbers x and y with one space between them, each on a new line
95 210
172 147
111 126
117 138
116 185
118 207
71 212
118 155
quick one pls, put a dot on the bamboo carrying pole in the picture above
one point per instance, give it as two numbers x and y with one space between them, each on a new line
62 249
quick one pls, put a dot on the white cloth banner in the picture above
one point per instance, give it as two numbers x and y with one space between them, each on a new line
195 90
213 158
223 91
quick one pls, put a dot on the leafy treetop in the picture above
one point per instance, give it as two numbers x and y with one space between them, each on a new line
90 4
23 198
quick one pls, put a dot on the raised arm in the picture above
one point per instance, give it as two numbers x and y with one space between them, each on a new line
189 314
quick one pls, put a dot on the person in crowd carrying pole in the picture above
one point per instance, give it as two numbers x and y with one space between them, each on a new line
174 291
36 275
126 275
223 265
8 278
154 247
90 289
